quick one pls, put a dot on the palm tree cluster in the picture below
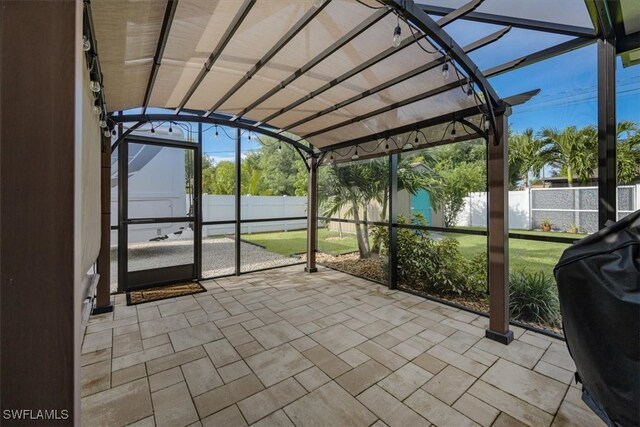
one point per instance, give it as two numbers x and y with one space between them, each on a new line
573 152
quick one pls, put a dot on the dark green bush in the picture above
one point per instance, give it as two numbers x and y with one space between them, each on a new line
533 298
434 266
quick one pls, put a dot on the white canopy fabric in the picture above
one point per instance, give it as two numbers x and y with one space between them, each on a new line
308 87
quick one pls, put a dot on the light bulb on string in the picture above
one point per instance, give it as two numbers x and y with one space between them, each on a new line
397 33
86 44
103 123
355 156
453 130
107 133
386 145
445 70
94 85
153 130
113 132
97 109
170 128
470 90
487 124
216 134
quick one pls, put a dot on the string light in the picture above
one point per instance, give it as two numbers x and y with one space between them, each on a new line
86 44
453 130
94 85
153 130
487 124
397 33
97 109
103 123
445 70
107 134
386 144
355 156
470 90
170 128
216 135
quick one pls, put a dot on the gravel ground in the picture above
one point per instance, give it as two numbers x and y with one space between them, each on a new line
218 257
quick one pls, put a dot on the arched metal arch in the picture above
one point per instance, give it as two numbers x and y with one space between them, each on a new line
140 119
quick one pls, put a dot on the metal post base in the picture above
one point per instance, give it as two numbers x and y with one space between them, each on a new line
505 338
103 309
310 270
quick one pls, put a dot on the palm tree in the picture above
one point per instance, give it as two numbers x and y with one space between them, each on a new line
525 155
572 151
628 151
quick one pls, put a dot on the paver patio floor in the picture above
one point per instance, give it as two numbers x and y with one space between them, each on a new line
282 348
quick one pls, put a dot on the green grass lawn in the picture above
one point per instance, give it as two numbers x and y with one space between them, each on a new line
529 255
523 254
295 242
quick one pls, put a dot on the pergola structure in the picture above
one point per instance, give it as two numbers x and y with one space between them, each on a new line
323 76
328 76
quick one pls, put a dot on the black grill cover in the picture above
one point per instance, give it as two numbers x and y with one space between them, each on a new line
599 287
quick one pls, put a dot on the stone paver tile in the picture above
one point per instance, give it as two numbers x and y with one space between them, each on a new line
575 413
95 378
126 344
120 405
406 331
275 334
252 324
394 315
557 354
481 356
513 406
176 359
376 328
361 378
97 341
303 344
273 366
163 325
145 422
386 340
432 336
233 371
177 307
309 328
331 320
329 405
300 315
95 357
126 329
406 350
388 358
389 409
312 378
361 315
338 338
141 356
277 419
459 361
429 363
462 326
460 341
449 384
534 388
327 361
476 409
112 324
237 335
435 411
228 394
553 371
234 320
249 349
535 339
354 357
221 353
270 400
173 406
148 313
506 420
201 376
194 336
230 416
405 381
518 352
155 341
165 379
129 374
354 324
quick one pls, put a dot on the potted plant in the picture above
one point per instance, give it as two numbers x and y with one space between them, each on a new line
573 229
545 224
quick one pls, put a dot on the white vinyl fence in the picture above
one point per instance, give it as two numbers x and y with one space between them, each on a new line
562 206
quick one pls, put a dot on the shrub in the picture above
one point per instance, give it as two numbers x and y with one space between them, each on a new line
533 298
434 266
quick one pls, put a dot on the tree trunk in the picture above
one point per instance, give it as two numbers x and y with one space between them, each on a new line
366 228
356 216
569 176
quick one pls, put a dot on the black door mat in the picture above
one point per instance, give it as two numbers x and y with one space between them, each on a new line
164 292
